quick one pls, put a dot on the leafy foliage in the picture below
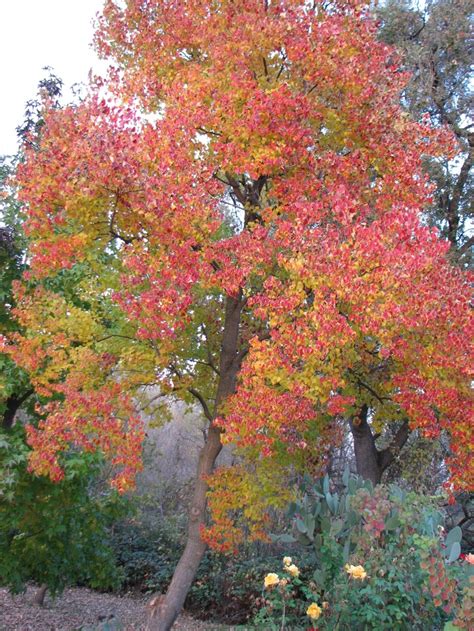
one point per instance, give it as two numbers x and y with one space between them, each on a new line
226 587
54 534
15 387
147 556
13 381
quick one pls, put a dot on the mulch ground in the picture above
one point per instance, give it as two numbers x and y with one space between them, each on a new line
83 609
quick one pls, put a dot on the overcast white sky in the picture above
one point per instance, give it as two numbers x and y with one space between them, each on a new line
34 34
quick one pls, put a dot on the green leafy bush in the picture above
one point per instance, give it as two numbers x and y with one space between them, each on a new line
147 556
55 533
228 587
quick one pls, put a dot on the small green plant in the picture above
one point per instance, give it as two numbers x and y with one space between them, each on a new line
147 555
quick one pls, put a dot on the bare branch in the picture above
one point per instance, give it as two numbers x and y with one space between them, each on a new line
462 177
465 246
369 388
210 359
202 401
210 132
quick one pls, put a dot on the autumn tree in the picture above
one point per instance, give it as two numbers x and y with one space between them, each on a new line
239 225
51 533
434 40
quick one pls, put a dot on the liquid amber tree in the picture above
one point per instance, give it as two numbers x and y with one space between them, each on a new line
239 225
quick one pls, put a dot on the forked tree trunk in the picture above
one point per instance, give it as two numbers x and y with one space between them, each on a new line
370 461
165 609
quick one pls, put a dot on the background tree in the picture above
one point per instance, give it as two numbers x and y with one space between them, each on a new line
15 388
317 297
53 534
435 40
435 43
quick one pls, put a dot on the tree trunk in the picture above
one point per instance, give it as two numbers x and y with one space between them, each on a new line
364 448
371 462
165 609
40 595
12 406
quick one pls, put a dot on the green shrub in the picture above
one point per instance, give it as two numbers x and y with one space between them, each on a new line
147 557
228 587
55 533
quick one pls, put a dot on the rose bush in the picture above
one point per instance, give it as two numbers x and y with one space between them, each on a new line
374 559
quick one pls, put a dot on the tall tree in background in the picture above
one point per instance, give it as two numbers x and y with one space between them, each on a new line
436 42
254 245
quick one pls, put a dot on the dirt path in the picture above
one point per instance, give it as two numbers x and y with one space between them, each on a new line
85 610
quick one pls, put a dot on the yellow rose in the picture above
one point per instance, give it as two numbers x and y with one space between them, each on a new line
314 611
271 579
356 571
293 570
287 561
